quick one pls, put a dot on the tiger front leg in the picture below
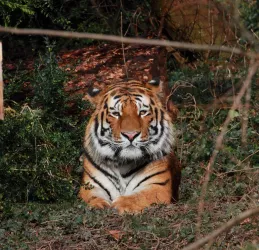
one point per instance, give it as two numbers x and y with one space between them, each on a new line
93 195
151 194
91 199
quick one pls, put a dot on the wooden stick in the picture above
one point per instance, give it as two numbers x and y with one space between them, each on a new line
224 228
118 39
1 85
219 141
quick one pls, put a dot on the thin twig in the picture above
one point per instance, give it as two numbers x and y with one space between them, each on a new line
164 14
224 228
123 51
241 170
1 85
219 142
118 39
244 32
155 236
250 156
245 115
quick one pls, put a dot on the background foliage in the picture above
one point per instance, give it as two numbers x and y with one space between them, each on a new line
83 15
40 136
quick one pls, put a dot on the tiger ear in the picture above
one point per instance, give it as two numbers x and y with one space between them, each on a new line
93 95
162 91
156 85
155 81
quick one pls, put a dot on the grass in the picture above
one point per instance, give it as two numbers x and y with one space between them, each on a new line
76 226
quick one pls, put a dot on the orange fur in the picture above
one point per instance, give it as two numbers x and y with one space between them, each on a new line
160 188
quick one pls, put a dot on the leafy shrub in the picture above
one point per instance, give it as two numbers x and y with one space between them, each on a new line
47 80
202 84
250 15
40 140
83 16
46 14
199 124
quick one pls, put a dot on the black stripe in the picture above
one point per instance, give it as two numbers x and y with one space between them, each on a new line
114 180
162 129
144 150
137 95
117 96
164 153
138 99
154 128
113 147
88 157
134 85
134 170
100 185
156 113
146 106
150 176
117 152
102 128
96 125
161 122
116 103
160 183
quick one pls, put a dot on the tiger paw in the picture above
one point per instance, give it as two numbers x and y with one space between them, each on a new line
99 203
127 204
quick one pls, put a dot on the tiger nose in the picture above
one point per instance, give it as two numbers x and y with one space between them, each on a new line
131 135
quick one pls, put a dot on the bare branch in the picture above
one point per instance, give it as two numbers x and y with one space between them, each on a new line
123 51
118 39
1 85
224 228
165 11
244 32
219 141
245 116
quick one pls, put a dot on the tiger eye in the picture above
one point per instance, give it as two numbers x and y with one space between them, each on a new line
143 112
116 113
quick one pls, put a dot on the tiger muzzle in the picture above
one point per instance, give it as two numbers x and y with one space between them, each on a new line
131 135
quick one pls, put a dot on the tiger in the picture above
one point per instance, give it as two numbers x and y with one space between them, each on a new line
128 160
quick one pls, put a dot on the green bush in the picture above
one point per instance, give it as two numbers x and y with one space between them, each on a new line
68 15
250 15
46 14
47 80
199 124
40 139
81 16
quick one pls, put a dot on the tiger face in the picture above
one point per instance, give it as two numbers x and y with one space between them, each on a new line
129 125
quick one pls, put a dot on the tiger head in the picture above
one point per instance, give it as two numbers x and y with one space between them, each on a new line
128 125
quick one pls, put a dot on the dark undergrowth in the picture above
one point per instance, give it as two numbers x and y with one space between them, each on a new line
41 135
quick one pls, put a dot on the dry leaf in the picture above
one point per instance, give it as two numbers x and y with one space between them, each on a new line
116 234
